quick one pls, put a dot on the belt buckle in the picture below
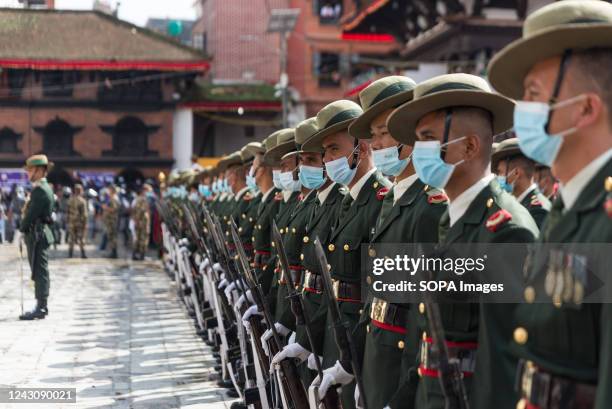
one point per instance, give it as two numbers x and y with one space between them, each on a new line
336 287
527 380
307 277
424 354
379 309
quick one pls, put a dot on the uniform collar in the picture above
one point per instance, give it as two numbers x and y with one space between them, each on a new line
323 194
402 186
526 192
267 194
240 193
572 189
354 192
458 207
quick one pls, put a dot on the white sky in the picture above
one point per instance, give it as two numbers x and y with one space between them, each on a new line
138 11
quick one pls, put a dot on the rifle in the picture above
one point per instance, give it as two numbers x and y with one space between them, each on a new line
330 401
290 377
348 351
449 374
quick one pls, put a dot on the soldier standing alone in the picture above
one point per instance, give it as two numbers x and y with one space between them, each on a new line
77 220
38 237
142 222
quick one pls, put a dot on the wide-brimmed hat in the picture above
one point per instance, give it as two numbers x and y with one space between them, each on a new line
505 149
548 32
304 131
333 118
379 96
254 148
284 143
247 154
447 91
232 159
38 160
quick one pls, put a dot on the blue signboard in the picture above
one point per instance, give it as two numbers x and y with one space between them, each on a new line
10 177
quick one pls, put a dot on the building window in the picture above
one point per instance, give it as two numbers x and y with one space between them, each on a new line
8 140
58 136
327 69
58 83
129 87
199 41
330 11
130 137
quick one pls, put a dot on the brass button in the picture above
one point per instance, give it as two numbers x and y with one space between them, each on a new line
244 215
264 268
369 280
371 252
281 231
239 229
530 294
424 336
368 328
252 238
375 185
293 230
305 239
224 217
346 247
272 244
329 267
420 372
520 335
490 202
608 184
400 344
251 219
422 308
236 257
361 311
302 257
229 222
331 247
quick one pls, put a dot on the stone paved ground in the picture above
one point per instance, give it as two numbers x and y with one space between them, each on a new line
115 332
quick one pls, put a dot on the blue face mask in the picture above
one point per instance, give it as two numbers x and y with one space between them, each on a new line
194 197
276 179
339 170
286 179
388 162
226 187
428 163
530 119
311 177
503 183
251 184
204 190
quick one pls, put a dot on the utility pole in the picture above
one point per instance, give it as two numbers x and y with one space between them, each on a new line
283 21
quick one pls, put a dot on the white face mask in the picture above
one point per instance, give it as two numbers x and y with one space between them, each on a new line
290 185
339 170
276 179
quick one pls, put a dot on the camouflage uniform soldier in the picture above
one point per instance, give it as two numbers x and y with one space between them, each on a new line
77 220
142 220
111 219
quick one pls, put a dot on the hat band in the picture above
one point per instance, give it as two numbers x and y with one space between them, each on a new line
343 116
391 90
452 86
587 21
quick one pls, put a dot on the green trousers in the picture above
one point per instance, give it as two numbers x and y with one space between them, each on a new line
38 259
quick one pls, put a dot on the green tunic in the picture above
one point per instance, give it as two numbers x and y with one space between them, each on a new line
538 205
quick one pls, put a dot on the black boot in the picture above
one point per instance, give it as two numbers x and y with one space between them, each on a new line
70 253
113 254
134 256
83 255
40 312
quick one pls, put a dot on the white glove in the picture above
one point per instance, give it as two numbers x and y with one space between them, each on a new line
312 365
280 328
217 267
332 376
247 314
357 395
228 291
204 264
223 283
294 350
183 242
244 298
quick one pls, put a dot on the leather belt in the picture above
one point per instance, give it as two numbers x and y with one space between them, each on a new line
543 390
261 258
388 316
465 352
313 282
296 274
347 292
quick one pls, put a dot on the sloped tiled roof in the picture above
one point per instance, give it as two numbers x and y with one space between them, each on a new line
52 39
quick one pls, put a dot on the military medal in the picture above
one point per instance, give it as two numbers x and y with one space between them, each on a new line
568 287
580 278
550 280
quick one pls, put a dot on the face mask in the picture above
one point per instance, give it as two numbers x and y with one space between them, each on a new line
503 183
286 179
193 196
204 190
339 170
226 187
530 119
276 179
388 162
311 177
251 184
428 163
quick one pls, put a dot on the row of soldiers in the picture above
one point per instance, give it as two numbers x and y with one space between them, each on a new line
412 164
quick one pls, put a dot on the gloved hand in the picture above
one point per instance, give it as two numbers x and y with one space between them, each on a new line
312 365
222 284
357 395
244 299
294 350
204 264
217 267
280 328
332 376
228 291
247 314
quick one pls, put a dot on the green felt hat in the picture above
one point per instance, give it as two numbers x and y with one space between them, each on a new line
548 32
284 143
447 91
379 96
333 118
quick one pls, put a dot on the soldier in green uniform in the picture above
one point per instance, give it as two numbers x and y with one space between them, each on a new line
110 214
141 215
515 175
348 161
546 182
77 220
247 219
410 213
242 197
559 73
454 118
35 225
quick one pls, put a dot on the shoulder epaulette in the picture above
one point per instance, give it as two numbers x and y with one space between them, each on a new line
435 196
278 196
498 219
382 192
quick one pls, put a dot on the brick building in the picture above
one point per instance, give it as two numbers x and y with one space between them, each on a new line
93 92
